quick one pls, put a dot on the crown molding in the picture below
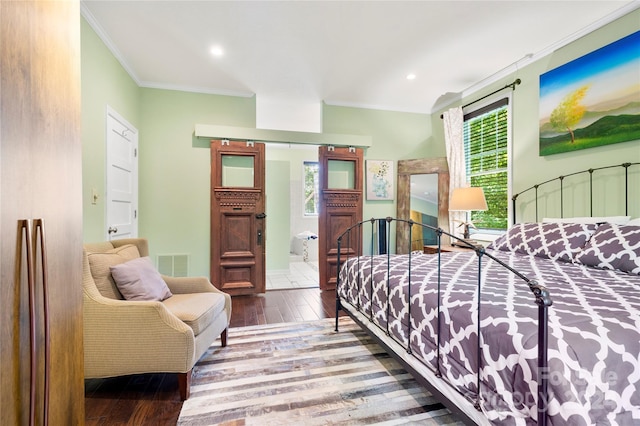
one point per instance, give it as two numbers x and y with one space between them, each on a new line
531 58
91 20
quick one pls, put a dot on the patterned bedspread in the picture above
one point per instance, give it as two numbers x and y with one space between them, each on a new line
594 331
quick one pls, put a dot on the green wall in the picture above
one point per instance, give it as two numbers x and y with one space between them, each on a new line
395 136
278 178
104 83
528 168
285 210
174 170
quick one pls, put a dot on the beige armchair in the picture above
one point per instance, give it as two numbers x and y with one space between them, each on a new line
123 337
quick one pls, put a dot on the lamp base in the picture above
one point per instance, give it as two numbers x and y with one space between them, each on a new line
461 243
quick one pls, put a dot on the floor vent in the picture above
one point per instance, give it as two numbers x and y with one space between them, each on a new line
174 265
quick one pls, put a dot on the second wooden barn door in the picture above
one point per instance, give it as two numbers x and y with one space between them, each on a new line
341 195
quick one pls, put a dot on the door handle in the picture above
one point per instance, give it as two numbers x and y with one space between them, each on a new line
33 235
259 237
261 215
112 230
25 229
39 231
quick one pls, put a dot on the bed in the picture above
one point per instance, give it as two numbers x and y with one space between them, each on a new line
541 327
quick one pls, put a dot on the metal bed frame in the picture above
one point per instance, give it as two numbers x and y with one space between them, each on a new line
561 179
541 295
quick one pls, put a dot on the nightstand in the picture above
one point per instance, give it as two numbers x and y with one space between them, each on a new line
444 249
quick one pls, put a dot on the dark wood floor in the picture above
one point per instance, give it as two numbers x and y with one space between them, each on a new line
153 399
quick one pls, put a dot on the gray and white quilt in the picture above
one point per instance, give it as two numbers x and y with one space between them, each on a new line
594 329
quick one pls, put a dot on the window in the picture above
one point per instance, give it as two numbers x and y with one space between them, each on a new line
311 188
486 156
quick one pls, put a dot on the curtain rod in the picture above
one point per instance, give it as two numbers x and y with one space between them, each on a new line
511 85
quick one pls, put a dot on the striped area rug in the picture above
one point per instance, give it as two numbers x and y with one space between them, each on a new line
306 374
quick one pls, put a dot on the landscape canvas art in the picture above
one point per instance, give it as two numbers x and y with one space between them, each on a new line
593 100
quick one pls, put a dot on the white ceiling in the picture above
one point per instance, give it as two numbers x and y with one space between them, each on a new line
352 53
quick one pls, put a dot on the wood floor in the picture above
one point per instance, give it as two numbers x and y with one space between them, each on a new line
153 399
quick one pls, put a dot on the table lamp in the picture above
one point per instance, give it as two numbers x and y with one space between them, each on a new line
467 199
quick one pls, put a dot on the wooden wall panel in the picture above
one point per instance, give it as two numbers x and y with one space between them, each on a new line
41 178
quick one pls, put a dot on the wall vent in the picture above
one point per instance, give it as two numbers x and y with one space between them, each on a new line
173 265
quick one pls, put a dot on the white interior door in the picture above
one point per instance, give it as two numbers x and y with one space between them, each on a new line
122 178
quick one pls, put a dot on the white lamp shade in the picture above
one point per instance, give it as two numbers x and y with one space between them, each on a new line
467 199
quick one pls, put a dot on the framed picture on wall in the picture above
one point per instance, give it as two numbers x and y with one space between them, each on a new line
380 180
592 100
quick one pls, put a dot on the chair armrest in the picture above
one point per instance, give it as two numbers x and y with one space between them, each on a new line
128 337
186 285
121 313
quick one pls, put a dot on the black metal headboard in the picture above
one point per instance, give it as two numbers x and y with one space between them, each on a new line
591 172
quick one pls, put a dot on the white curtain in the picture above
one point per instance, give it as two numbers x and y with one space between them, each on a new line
453 120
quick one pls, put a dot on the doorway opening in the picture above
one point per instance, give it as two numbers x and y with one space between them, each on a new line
292 221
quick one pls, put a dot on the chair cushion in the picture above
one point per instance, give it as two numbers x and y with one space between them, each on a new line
100 264
137 279
197 310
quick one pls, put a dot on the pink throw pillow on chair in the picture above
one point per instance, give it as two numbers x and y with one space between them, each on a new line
138 279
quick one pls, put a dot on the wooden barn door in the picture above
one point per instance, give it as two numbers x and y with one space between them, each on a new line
237 217
341 195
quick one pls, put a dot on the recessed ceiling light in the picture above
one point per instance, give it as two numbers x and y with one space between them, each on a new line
217 51
411 76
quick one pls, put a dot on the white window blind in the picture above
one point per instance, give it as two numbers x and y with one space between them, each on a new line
486 155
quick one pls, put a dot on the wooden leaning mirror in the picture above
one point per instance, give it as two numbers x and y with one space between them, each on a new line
407 168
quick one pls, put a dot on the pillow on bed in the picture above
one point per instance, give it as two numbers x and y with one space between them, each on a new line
555 241
613 247
618 220
633 222
498 242
137 279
